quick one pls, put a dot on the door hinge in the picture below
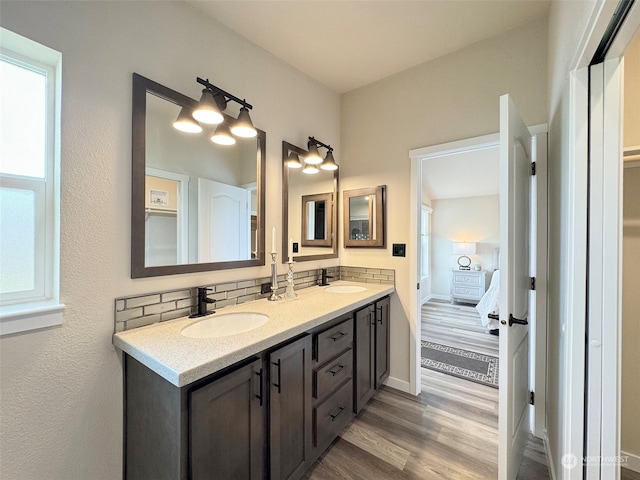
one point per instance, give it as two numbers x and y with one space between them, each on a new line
418 286
533 168
532 397
533 283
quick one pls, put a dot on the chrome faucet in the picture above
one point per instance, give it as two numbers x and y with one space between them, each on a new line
203 299
323 282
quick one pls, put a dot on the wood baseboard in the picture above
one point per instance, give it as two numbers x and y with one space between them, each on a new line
398 384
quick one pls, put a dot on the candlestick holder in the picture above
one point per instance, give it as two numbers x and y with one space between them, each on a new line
274 279
289 293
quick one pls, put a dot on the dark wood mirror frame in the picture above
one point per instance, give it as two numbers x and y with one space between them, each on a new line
378 221
141 86
328 240
286 148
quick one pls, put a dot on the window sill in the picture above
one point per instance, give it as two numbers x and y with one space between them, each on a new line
30 316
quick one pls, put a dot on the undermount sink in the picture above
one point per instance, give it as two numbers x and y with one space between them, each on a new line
225 324
344 289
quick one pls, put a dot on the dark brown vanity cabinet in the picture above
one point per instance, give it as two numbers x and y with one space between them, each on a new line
268 417
233 425
290 410
332 381
371 351
213 428
227 427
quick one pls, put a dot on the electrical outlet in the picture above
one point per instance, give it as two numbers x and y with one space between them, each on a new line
265 288
399 249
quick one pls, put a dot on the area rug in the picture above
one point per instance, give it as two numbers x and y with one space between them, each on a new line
472 366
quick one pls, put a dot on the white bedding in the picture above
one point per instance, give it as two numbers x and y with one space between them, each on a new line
490 302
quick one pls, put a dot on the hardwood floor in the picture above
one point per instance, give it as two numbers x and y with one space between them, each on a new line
450 431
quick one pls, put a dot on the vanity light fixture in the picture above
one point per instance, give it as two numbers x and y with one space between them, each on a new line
222 135
186 123
314 157
214 100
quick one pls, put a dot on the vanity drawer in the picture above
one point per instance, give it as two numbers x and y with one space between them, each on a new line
332 416
332 374
334 340
469 292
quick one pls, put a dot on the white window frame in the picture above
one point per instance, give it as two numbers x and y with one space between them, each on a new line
41 306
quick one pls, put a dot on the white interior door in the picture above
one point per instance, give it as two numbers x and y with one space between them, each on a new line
224 222
515 241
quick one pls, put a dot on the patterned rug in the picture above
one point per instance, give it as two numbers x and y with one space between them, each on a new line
472 366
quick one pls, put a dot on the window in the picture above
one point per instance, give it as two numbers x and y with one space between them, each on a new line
424 238
29 179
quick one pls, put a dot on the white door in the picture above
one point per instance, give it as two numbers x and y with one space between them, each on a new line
515 241
224 222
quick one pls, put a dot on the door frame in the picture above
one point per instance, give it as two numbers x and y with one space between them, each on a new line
602 296
538 338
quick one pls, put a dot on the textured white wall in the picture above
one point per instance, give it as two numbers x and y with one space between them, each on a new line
469 219
61 402
450 98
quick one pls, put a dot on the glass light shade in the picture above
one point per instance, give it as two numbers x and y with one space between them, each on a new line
329 162
313 158
244 126
293 161
186 123
310 169
464 248
222 135
207 110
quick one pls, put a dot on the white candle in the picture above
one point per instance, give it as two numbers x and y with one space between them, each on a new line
290 249
273 240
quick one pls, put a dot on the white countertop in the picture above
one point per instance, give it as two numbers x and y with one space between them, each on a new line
182 360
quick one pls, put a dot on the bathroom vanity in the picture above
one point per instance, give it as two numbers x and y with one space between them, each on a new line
261 404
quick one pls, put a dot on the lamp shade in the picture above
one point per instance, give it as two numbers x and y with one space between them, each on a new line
207 110
244 126
464 248
310 169
222 135
329 162
186 123
293 161
313 158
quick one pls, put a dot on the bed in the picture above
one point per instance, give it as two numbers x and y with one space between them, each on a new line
490 303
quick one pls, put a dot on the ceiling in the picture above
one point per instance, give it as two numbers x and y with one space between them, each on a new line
467 174
345 44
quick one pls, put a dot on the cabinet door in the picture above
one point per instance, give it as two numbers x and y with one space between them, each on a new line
227 426
290 409
382 341
364 385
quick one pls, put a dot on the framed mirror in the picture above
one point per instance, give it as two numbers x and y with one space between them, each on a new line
195 206
317 220
364 217
309 210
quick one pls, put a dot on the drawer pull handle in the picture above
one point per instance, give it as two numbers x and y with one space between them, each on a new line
335 370
259 396
277 385
337 414
337 336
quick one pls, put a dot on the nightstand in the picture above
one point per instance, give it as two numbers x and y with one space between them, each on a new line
468 285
